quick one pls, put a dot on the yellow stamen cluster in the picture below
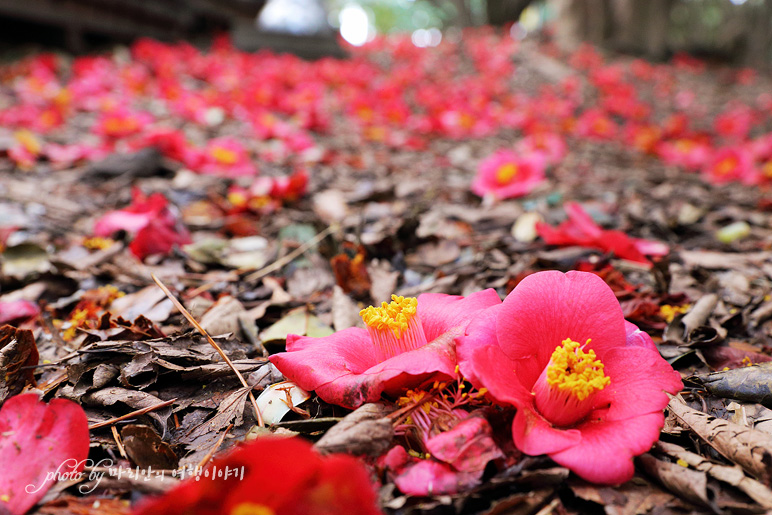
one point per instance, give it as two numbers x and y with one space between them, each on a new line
506 173
575 371
726 166
394 315
394 327
224 155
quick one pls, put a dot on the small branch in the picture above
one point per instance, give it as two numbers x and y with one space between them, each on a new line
213 450
130 415
213 343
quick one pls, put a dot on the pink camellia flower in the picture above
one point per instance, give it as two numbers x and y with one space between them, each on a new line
550 144
596 124
406 342
589 389
688 153
506 174
734 123
154 226
121 122
222 156
729 164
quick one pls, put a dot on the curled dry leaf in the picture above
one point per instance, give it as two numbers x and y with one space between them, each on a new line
684 482
365 431
681 328
749 448
146 449
752 384
17 350
731 475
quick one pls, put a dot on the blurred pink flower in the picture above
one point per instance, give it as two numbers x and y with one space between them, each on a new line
506 174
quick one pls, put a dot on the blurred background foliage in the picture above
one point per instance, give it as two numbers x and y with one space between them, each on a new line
735 31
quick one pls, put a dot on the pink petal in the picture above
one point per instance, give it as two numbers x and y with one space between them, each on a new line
482 362
582 220
343 369
440 312
468 446
548 307
607 449
639 378
17 310
429 477
115 221
638 338
38 440
651 248
315 362
533 435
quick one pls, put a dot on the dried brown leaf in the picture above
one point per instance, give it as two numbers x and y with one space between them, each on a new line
749 448
365 431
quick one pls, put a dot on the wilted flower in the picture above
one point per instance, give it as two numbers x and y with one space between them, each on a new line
406 342
589 388
155 228
581 230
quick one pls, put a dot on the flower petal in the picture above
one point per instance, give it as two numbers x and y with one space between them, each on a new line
548 307
533 435
468 446
482 362
314 362
639 380
607 449
343 369
638 338
440 312
429 477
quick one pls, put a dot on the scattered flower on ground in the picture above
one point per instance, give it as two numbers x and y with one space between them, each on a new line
407 341
589 389
506 174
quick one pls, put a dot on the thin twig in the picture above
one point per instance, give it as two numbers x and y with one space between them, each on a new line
213 450
292 255
118 442
213 343
130 415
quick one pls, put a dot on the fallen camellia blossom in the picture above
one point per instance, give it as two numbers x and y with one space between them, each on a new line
729 164
581 230
506 174
39 444
406 342
271 476
589 388
155 228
